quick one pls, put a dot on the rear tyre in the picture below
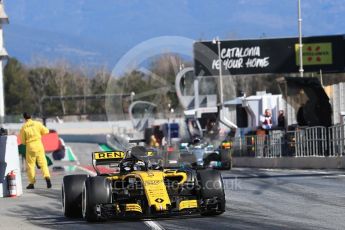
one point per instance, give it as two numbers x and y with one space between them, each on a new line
96 191
71 195
226 159
211 190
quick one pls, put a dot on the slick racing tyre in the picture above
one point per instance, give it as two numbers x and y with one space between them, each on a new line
97 190
226 159
211 191
71 195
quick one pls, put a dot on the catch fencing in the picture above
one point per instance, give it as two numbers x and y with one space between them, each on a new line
314 141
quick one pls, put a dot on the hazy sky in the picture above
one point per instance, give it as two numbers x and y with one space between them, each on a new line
102 31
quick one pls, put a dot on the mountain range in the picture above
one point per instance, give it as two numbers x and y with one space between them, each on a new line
99 33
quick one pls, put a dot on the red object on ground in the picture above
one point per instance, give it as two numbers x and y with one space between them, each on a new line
51 142
12 185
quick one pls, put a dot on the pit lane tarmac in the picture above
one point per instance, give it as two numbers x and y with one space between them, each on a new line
256 199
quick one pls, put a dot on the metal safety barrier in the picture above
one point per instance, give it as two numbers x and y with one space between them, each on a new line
337 140
259 145
311 141
269 145
302 142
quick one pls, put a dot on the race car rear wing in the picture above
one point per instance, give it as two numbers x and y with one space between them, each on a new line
107 157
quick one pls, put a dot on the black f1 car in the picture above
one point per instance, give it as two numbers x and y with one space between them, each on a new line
140 188
204 155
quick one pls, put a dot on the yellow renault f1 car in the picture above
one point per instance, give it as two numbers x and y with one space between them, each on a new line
140 188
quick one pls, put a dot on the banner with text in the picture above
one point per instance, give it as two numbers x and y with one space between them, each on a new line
281 55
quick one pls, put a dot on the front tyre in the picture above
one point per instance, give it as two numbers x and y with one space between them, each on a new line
211 191
71 195
226 159
96 191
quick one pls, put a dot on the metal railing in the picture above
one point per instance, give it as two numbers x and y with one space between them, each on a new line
337 140
314 141
259 145
311 141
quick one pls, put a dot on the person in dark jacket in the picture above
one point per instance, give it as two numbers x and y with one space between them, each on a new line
281 119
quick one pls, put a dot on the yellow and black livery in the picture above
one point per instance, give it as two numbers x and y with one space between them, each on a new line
140 189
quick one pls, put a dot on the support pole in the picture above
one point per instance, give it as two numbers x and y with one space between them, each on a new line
301 70
3 56
221 98
2 94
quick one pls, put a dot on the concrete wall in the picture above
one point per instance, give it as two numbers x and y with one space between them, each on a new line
85 138
80 127
88 127
9 160
291 162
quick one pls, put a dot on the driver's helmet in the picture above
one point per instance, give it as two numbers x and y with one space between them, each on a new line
196 140
130 165
139 166
126 166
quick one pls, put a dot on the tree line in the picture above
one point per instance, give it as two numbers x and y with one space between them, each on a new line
26 86
42 89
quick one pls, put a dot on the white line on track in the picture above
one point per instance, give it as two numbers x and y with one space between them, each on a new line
153 225
75 156
334 176
297 170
